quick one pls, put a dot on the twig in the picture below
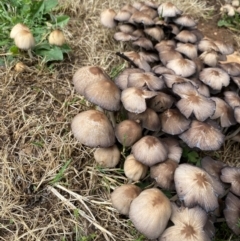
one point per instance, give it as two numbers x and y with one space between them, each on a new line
123 56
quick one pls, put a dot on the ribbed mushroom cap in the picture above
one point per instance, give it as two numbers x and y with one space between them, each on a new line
169 55
224 48
150 212
207 44
196 187
173 122
155 32
212 167
201 87
147 79
87 75
171 79
126 28
133 169
92 128
232 98
107 18
140 17
185 21
210 58
232 175
129 7
232 69
56 37
122 16
121 36
104 93
174 149
182 67
236 80
165 44
150 57
16 28
133 99
216 78
168 10
161 102
122 197
122 79
189 50
24 40
149 150
148 119
143 43
159 70
192 102
188 225
128 132
232 212
152 13
203 136
186 36
107 157
224 112
152 4
163 174
237 114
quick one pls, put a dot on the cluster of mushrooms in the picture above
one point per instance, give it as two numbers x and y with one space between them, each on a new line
177 91
231 7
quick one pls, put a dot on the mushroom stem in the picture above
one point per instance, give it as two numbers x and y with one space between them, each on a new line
30 54
110 115
158 133
233 134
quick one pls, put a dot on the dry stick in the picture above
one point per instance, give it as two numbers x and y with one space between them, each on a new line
123 56
82 213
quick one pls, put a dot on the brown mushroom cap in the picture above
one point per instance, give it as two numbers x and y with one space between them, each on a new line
121 36
122 197
24 40
203 135
168 9
92 128
128 132
232 175
231 68
133 169
107 18
150 212
149 150
232 212
16 28
155 32
56 37
196 187
188 225
186 36
188 49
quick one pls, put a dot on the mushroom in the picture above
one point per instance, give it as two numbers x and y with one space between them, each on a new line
185 21
194 186
107 157
155 32
167 10
92 128
122 197
17 28
232 98
107 18
150 212
56 37
186 36
174 149
188 49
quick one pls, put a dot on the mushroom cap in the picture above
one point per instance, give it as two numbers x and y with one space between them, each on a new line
196 187
92 128
107 18
188 225
128 132
16 28
188 49
210 58
150 212
121 36
133 169
232 175
107 157
87 75
155 32
232 98
185 21
174 149
126 28
168 9
122 197
122 16
143 43
141 17
203 136
24 40
171 79
231 68
56 37
104 93
232 212
237 114
149 150
207 44
186 36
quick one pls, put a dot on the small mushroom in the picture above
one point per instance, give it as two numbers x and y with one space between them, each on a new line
107 18
56 37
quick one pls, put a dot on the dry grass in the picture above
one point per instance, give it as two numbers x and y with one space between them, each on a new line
50 187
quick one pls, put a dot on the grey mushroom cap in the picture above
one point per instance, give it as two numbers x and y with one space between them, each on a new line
92 128
150 212
194 186
149 150
203 135
123 196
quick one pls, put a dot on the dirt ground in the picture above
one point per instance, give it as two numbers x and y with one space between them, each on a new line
50 186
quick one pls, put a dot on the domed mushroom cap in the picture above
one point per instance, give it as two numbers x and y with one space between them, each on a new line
182 67
87 75
128 132
149 150
24 40
104 93
224 48
196 187
186 36
171 79
232 175
192 102
107 157
188 225
188 49
185 21
203 135
16 28
207 44
232 212
107 18
232 98
150 212
216 78
122 197
163 174
155 32
92 128
168 10
56 37
231 68
122 15
143 43
133 169
120 36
